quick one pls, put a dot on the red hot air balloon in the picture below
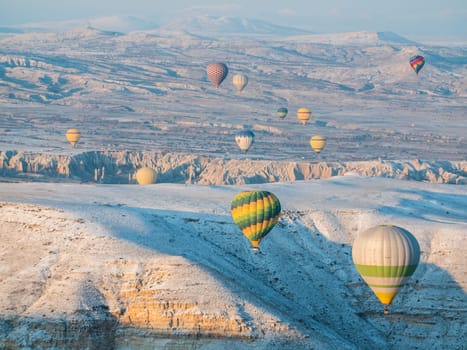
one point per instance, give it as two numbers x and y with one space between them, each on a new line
217 72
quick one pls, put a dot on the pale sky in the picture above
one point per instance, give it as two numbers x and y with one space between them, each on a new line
416 19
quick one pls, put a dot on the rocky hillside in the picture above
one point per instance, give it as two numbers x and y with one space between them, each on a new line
164 266
120 167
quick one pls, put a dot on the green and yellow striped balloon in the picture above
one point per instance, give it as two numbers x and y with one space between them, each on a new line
386 256
255 213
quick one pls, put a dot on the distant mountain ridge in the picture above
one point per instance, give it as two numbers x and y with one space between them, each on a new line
354 38
394 38
123 24
226 25
207 26
198 25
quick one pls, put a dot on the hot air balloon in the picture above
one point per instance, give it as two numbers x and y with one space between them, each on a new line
318 143
282 112
244 139
217 72
255 213
73 136
417 62
146 176
240 81
386 256
303 114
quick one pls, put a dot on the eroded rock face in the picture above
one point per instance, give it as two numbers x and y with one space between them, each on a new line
150 295
67 333
120 167
65 287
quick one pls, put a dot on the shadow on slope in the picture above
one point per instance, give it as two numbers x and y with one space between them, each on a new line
431 206
290 279
307 280
91 326
302 286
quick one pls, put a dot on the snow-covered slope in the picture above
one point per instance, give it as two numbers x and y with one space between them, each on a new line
146 263
354 38
153 91
128 267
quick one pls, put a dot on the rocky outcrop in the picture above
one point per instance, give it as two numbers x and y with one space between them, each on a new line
66 288
147 295
120 167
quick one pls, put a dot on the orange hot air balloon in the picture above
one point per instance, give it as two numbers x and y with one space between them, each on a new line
217 72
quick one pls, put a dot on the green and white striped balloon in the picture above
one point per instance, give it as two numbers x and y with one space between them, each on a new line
386 256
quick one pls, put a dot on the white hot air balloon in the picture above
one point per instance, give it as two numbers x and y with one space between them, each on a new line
244 139
386 256
240 81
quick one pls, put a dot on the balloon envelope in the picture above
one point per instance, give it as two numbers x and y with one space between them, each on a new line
282 112
386 256
244 139
217 72
240 81
146 176
73 136
303 114
318 143
255 213
417 62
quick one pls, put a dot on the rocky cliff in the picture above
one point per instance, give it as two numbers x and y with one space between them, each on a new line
120 167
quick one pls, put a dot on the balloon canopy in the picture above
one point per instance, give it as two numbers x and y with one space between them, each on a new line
244 139
146 176
240 81
73 136
255 213
417 62
318 143
303 114
386 256
282 112
217 72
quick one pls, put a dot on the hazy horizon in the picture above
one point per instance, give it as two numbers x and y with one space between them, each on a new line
429 20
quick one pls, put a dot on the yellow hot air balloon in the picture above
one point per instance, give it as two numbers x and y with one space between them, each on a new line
146 176
240 81
318 143
73 136
386 256
255 213
303 114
